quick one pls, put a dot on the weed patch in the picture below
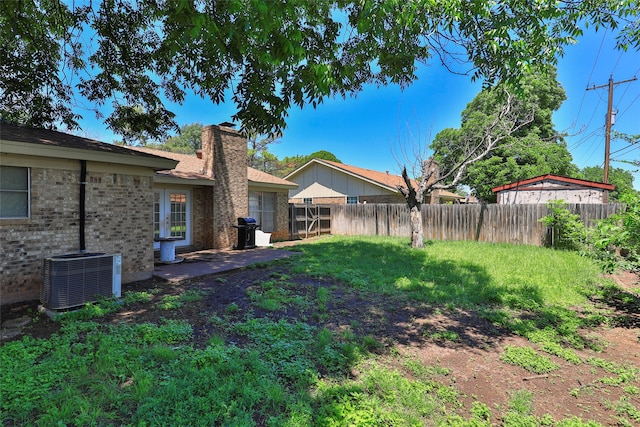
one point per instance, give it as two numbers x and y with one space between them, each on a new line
527 358
356 331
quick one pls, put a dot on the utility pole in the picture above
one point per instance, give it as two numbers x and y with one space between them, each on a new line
608 124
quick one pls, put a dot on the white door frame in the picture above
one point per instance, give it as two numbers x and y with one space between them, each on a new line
168 223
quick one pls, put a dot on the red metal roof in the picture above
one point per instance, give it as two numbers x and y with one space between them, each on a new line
560 178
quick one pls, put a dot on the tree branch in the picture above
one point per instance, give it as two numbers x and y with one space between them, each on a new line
505 123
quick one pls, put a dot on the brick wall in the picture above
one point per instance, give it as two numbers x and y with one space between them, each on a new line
119 219
282 217
224 151
202 217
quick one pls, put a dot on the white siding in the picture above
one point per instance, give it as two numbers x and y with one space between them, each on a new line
335 180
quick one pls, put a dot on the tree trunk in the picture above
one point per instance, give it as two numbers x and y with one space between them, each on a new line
417 236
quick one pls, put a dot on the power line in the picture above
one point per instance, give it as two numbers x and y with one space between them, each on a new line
597 56
630 105
591 150
584 139
595 62
609 120
629 149
617 62
624 151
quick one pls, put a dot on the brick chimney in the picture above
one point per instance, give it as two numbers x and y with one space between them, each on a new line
224 151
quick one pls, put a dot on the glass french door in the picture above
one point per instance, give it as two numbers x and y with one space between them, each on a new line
172 215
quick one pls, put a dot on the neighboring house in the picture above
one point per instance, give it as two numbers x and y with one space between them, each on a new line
545 188
129 196
326 182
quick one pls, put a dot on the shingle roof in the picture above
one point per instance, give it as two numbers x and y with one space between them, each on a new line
254 175
52 138
191 167
383 179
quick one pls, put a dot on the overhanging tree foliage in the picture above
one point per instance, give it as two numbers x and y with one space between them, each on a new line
133 59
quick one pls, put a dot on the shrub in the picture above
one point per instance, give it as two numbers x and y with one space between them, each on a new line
566 229
628 239
614 241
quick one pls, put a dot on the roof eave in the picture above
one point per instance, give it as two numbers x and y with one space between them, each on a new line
25 148
347 172
273 185
163 179
300 169
592 184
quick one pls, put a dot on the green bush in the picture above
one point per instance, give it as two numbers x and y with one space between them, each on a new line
614 241
628 237
566 229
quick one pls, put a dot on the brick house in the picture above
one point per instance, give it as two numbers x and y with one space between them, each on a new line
185 191
46 177
545 188
327 182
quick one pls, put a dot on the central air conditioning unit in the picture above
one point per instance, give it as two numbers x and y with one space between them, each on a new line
76 279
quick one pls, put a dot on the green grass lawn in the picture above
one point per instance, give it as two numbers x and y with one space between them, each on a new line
286 372
460 274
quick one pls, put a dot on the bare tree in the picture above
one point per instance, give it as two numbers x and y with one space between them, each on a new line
506 122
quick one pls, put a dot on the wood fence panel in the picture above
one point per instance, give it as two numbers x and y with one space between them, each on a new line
518 223
309 220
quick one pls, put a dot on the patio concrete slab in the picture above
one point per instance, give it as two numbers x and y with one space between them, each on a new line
203 263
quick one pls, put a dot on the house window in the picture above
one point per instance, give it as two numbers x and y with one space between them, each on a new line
172 215
307 200
262 207
352 200
178 214
14 192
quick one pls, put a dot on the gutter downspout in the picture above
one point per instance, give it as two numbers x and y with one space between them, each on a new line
83 197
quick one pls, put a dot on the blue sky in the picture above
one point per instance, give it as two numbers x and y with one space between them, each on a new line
373 129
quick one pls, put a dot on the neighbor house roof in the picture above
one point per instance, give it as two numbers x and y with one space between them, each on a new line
191 167
50 143
550 177
382 179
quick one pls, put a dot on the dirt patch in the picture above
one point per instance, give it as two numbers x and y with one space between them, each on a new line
461 341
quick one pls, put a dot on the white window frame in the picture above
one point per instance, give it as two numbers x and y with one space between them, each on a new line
259 213
28 191
163 212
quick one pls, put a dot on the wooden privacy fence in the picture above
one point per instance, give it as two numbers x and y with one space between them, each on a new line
309 220
486 223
